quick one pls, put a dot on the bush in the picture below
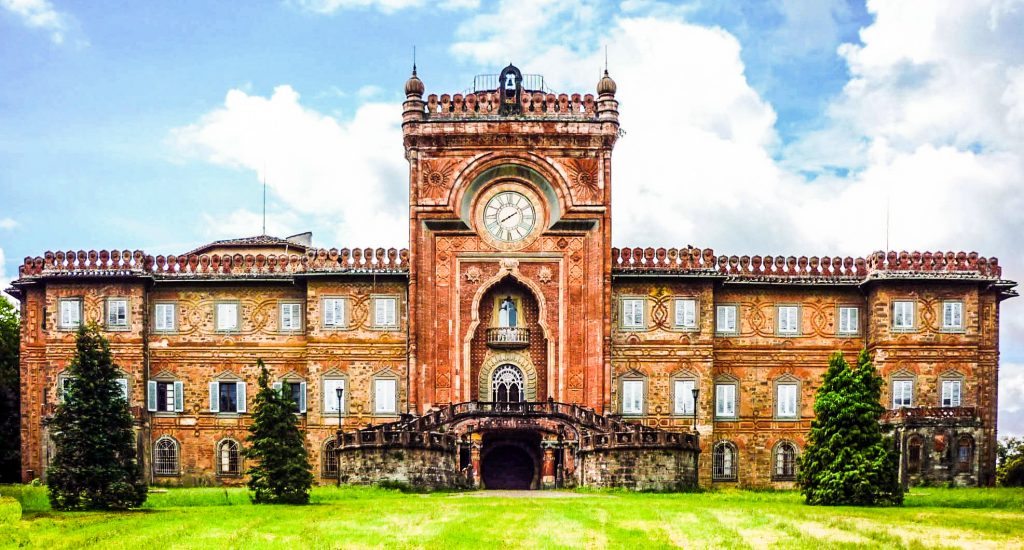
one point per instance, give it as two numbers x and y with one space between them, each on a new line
10 510
1011 474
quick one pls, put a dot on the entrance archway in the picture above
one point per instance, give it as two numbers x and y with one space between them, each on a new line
508 466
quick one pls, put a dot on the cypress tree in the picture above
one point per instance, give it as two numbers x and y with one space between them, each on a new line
95 466
282 473
10 394
848 460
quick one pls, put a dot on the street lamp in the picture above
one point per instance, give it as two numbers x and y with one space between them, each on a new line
337 443
696 439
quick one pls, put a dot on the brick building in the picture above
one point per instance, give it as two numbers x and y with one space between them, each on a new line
512 345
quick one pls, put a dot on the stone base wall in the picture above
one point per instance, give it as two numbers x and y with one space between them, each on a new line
431 469
636 469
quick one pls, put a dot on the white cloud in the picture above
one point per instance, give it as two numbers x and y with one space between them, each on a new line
369 91
352 171
40 14
8 223
245 223
385 6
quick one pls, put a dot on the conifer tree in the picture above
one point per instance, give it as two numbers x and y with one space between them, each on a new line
95 466
848 461
282 473
10 388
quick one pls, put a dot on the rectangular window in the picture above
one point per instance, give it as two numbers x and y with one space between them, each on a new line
950 393
164 317
334 312
849 320
683 397
902 393
331 402
633 313
165 396
227 316
785 398
291 317
686 313
123 383
70 313
384 391
117 313
903 315
788 319
384 309
64 387
632 397
725 319
228 397
952 315
725 400
296 392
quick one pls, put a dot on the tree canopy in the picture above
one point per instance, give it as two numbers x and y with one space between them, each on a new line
10 394
848 460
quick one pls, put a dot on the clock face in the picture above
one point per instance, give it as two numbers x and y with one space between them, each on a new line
509 216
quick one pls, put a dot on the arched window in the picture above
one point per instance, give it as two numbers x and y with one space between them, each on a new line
965 454
165 457
508 316
330 458
785 462
228 463
725 462
507 384
914 454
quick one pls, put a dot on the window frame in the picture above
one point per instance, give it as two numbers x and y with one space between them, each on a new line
914 467
373 311
241 395
343 324
153 401
965 466
734 464
127 314
798 321
60 313
325 452
385 376
177 457
839 320
300 324
302 405
913 316
795 464
901 378
959 328
239 458
735 383
951 377
682 378
346 397
238 317
642 325
174 316
632 377
736 319
676 302
777 384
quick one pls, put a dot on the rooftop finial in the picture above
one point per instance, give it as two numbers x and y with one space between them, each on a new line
414 59
606 59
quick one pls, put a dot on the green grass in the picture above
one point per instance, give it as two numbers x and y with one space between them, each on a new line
364 517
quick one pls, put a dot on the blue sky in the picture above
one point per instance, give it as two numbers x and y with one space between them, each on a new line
781 127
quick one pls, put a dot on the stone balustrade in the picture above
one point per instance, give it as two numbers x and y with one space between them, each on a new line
697 261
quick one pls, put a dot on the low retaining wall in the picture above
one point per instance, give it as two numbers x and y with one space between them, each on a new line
638 469
430 469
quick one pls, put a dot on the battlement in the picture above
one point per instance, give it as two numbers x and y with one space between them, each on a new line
487 104
957 265
134 263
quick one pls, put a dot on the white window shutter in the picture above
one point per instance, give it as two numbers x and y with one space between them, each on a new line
392 312
956 393
329 313
241 396
123 383
151 396
214 397
277 387
179 396
302 397
65 315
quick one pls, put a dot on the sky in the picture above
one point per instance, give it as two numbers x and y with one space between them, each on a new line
760 127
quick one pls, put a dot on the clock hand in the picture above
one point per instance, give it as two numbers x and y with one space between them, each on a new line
508 217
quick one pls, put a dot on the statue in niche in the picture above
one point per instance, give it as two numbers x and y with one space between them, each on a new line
508 318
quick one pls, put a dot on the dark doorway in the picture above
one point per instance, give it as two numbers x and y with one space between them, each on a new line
508 466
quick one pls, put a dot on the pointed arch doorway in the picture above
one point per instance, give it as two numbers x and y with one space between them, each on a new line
507 384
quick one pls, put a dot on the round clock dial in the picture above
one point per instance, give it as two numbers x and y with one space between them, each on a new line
509 216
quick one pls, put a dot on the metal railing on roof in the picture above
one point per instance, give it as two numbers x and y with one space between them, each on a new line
489 83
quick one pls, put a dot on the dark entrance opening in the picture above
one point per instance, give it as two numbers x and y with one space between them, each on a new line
508 466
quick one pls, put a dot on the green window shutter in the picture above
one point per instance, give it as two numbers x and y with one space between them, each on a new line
151 396
179 396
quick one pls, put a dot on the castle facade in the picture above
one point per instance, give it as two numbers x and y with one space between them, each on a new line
511 345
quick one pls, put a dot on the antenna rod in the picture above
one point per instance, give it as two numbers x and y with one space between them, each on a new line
414 59
264 200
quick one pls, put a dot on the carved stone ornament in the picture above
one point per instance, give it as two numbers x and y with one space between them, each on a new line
473 274
509 264
544 275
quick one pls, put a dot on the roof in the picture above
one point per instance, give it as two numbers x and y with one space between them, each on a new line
256 240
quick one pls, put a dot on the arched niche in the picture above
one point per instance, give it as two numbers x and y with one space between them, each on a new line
511 171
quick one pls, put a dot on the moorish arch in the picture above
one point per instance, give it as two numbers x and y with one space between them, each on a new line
498 360
524 168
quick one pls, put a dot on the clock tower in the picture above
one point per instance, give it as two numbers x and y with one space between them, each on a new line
510 240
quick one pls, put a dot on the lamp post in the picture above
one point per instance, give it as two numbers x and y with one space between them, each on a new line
696 436
337 444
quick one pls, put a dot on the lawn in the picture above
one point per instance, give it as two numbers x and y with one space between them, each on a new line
373 517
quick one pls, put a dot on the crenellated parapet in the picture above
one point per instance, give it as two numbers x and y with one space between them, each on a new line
698 261
134 263
532 104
